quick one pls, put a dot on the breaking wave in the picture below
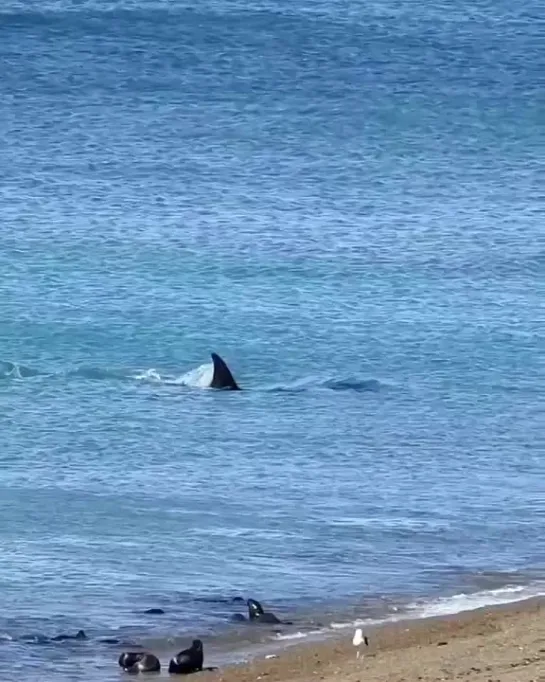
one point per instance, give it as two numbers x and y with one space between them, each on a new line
454 604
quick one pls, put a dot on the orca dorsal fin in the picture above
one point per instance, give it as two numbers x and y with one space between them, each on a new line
222 377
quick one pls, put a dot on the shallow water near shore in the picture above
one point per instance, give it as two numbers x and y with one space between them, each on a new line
343 202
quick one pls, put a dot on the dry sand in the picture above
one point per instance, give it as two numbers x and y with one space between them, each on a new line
497 644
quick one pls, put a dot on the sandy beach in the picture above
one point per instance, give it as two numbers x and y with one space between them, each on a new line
496 644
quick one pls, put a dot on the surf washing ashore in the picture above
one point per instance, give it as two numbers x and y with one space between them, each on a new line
462 625
491 644
313 645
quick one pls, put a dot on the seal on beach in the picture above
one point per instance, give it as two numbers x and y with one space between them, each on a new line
128 658
188 661
80 634
139 662
256 613
222 377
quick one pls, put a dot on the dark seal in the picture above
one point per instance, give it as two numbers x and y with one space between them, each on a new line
188 661
139 662
128 658
257 614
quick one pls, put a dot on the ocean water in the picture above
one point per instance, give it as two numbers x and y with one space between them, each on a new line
344 200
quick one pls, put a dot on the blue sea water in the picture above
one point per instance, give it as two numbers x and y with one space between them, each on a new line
343 199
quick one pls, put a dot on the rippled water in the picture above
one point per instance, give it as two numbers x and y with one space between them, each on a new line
344 200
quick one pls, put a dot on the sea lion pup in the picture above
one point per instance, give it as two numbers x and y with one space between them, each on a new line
128 658
147 664
139 662
256 613
188 661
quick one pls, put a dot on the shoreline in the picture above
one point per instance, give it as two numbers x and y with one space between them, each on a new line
407 641
239 646
472 644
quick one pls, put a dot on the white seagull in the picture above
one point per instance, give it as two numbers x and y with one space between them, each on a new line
359 638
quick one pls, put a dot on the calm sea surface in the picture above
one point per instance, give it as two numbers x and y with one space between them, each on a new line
344 199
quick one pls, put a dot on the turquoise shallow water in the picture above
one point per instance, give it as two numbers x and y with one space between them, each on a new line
343 200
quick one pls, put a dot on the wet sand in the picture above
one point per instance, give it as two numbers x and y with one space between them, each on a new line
494 644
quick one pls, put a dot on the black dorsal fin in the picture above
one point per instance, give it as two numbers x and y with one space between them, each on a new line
222 377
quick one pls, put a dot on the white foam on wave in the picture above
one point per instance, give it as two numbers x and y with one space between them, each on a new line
14 372
293 635
200 377
148 375
299 634
359 621
457 603
444 606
